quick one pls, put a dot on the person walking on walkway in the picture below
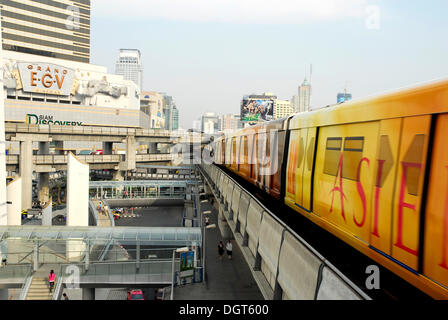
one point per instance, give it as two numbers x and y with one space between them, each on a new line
220 249
65 297
207 220
229 249
51 278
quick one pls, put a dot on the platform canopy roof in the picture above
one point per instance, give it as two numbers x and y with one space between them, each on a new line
154 236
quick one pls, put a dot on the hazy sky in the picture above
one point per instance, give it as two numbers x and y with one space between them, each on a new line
207 54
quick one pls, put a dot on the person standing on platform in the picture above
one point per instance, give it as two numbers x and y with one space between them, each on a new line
220 249
207 220
229 249
65 297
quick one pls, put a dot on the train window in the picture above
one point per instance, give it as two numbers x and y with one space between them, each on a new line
245 150
332 156
234 160
413 156
353 151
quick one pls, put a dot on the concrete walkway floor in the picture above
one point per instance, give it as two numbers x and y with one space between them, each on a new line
225 279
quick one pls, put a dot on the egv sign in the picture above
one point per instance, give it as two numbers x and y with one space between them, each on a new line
46 78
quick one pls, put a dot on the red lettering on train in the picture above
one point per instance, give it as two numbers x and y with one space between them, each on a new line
362 194
444 263
338 188
401 205
377 198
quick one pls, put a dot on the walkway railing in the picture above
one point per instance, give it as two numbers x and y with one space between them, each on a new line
26 284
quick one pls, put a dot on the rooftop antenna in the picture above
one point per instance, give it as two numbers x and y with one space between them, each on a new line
311 87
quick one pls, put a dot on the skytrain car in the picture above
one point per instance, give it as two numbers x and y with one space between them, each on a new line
373 172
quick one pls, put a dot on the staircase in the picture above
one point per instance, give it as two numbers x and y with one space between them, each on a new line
39 288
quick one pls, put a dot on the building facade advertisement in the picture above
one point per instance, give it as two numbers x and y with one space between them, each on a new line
257 110
46 78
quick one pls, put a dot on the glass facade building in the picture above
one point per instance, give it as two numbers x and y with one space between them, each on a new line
129 65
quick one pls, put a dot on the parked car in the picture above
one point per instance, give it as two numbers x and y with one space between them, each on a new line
136 294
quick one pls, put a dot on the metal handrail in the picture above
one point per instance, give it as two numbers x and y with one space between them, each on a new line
111 217
105 250
95 212
58 285
26 284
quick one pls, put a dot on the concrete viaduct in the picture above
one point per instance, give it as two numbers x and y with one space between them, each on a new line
43 163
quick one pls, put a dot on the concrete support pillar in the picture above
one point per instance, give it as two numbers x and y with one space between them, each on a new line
77 192
118 175
44 148
26 172
107 147
152 148
77 204
44 178
59 147
47 213
4 294
88 294
44 187
131 150
14 192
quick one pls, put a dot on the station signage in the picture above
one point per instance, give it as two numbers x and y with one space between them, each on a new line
49 120
46 78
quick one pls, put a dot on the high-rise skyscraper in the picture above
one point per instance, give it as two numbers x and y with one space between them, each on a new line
282 109
58 29
175 117
210 123
129 65
295 103
304 96
3 204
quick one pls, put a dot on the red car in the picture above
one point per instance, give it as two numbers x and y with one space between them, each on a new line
136 295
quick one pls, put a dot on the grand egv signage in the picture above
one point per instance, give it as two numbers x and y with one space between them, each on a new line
46 78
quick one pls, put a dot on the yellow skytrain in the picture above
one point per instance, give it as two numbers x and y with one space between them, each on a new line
373 172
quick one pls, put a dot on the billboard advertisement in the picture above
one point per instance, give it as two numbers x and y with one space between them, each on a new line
186 264
257 110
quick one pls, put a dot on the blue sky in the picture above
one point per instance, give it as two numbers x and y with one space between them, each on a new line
207 54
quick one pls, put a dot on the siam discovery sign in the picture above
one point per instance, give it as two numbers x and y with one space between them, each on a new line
46 78
45 119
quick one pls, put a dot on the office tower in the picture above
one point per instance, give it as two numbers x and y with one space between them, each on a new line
58 29
151 103
230 122
175 118
282 109
3 199
210 123
129 65
295 103
304 96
